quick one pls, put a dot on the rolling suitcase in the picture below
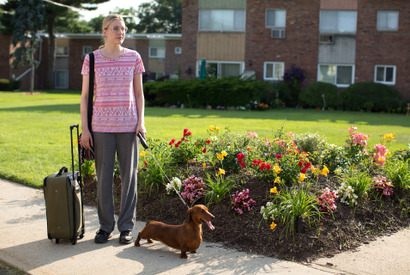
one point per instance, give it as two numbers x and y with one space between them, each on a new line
63 195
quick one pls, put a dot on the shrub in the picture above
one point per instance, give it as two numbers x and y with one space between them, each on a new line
184 150
290 207
399 172
359 95
312 96
227 92
9 85
310 143
355 187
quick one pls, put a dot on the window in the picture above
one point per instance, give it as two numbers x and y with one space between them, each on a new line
178 50
337 21
157 52
222 20
275 18
61 51
339 75
273 70
61 79
385 74
221 69
86 50
387 20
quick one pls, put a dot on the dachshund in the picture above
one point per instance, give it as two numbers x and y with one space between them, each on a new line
184 237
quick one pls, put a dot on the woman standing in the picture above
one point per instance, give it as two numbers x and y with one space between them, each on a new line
118 115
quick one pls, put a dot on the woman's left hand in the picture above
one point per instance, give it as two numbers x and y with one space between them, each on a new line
141 129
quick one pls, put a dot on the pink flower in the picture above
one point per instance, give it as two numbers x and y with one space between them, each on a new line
352 129
252 134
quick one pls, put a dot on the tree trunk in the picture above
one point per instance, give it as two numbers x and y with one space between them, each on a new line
51 53
33 68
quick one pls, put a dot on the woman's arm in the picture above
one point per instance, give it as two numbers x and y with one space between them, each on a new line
140 101
86 139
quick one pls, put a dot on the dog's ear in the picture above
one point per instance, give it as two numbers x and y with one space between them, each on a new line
188 215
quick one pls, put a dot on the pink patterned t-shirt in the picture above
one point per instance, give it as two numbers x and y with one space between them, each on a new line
114 107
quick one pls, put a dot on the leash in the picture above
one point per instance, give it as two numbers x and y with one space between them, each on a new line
145 145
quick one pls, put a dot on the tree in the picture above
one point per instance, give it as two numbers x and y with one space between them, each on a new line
160 16
54 12
27 20
69 23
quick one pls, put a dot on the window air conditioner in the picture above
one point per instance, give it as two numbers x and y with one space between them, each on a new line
326 38
278 33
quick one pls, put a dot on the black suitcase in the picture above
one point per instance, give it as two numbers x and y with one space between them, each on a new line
63 194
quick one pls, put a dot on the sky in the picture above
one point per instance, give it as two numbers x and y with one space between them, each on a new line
106 7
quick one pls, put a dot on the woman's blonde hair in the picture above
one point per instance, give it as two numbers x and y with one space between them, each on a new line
107 21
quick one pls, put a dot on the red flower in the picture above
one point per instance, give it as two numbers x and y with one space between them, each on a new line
177 144
188 133
240 156
268 166
208 141
242 165
204 150
172 141
185 131
278 156
303 171
146 163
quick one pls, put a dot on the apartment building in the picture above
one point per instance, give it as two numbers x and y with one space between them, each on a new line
335 41
161 54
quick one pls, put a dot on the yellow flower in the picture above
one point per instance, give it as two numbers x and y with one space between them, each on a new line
389 136
274 190
213 129
224 154
277 180
220 156
325 171
143 154
277 169
76 141
221 172
273 225
204 165
302 177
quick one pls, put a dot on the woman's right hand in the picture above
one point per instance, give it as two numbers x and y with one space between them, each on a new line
86 140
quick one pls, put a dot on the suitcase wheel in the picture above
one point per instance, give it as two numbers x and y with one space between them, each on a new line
73 241
48 235
81 236
57 241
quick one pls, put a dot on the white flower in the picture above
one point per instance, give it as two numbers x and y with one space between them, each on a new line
175 183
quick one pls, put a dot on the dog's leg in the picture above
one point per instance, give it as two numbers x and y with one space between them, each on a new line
183 255
137 241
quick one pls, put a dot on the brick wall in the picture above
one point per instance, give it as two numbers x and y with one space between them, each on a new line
189 37
172 60
383 48
299 48
4 56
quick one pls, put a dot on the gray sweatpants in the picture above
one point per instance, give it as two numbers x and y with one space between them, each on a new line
126 146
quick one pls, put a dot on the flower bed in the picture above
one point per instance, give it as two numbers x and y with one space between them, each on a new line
272 198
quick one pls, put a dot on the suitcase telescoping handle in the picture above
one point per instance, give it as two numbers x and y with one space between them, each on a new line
79 178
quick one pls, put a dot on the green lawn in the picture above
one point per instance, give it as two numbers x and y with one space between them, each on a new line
35 140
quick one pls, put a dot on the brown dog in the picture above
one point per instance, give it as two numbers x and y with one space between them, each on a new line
184 237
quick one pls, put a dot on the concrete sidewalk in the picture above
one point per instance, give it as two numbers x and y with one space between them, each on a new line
24 244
